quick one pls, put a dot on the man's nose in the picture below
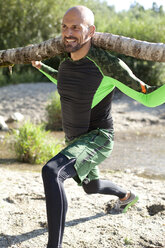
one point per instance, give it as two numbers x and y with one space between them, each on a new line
68 32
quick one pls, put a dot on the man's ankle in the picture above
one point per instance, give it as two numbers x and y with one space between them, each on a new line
126 196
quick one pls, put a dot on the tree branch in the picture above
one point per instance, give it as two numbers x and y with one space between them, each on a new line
131 47
50 48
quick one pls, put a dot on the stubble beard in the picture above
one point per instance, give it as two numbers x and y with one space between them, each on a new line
71 49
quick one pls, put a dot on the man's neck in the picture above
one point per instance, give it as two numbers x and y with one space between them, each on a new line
82 52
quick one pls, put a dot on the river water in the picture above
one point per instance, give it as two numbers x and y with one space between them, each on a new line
142 151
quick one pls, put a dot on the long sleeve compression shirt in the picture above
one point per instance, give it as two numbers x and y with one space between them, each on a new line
85 87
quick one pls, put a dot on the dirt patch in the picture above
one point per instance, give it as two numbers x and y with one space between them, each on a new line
155 209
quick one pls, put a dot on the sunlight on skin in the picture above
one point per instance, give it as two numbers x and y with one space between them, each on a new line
77 30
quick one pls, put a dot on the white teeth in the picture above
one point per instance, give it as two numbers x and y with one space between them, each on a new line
70 40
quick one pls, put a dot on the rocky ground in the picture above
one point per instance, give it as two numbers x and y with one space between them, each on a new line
27 99
90 223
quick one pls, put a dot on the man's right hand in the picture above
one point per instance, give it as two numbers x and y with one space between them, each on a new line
36 64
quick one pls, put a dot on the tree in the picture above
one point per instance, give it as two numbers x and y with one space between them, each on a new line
47 49
31 22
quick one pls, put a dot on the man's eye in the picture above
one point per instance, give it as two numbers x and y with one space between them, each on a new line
76 28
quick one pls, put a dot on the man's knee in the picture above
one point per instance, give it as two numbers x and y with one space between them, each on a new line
48 170
52 166
59 166
92 187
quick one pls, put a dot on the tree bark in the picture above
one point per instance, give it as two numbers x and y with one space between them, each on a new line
50 48
131 47
24 55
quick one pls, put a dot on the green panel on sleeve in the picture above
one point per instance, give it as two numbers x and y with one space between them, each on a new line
49 76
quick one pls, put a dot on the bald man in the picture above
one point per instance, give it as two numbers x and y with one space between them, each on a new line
85 81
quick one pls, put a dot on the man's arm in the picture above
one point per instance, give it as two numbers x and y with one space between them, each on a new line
155 98
150 96
118 74
48 71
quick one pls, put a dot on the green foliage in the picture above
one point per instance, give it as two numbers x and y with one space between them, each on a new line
128 241
2 79
54 113
145 25
25 22
33 144
24 74
140 24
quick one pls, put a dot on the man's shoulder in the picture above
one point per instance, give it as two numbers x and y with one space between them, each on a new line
103 58
102 55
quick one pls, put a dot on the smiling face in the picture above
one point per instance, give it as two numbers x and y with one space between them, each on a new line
77 28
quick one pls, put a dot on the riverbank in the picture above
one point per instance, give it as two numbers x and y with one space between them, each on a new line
89 223
30 100
137 163
139 131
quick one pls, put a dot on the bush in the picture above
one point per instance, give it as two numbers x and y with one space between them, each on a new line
33 145
54 113
20 74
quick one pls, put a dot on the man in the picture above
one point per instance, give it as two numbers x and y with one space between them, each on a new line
85 80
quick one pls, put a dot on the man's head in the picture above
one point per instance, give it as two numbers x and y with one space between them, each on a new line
77 28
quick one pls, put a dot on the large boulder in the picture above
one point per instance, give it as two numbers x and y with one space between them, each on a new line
15 117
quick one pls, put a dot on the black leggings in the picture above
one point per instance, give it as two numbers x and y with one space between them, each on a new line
54 173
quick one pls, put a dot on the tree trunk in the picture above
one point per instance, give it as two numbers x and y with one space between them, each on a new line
24 55
50 48
131 47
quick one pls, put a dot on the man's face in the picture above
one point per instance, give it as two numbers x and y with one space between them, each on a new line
75 33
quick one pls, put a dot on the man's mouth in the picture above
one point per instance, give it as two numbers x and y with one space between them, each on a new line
70 40
71 44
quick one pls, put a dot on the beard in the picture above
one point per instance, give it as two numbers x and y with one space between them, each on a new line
71 47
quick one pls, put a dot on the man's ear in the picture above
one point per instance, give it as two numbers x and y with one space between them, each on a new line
92 30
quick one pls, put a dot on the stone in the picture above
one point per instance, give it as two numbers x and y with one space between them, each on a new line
15 117
3 125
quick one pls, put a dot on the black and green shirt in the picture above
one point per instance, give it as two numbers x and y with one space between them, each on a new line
86 88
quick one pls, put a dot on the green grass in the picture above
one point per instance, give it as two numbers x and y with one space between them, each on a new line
32 144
